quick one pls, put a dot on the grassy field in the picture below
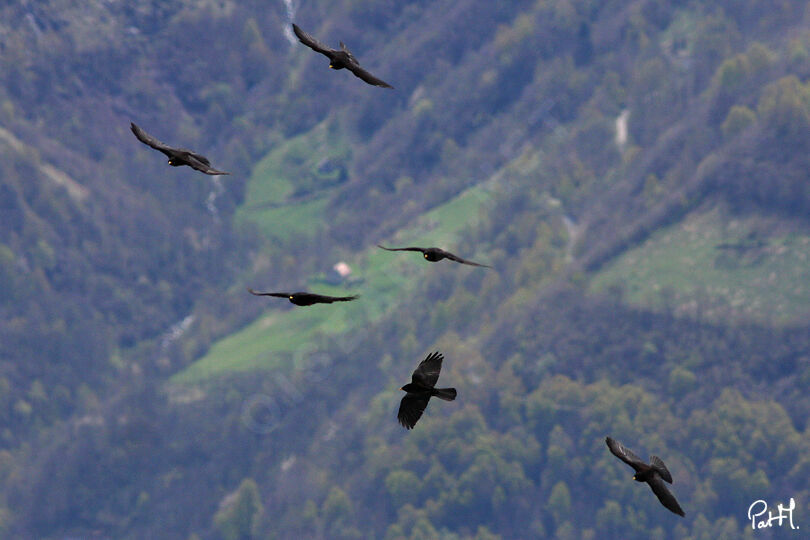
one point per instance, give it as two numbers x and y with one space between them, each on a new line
290 187
277 337
717 266
283 333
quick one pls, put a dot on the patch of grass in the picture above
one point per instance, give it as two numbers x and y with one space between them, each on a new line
290 187
300 220
716 266
441 225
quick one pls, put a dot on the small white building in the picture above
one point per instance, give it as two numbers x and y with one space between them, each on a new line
340 272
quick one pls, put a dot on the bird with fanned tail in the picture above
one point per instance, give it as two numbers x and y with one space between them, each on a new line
654 474
421 388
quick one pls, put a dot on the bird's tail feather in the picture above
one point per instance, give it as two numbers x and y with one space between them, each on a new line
447 394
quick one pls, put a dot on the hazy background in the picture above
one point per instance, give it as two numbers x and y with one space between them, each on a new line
636 171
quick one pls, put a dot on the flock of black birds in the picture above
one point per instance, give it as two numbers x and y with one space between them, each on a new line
423 381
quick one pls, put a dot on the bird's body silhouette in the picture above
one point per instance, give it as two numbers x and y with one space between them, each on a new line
434 254
421 388
339 58
655 474
177 156
305 298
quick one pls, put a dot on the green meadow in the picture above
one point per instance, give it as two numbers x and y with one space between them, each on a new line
717 266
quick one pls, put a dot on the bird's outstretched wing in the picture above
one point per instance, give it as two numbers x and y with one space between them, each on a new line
276 294
619 450
665 495
311 42
658 464
462 261
329 299
427 373
148 140
411 408
201 163
421 250
368 77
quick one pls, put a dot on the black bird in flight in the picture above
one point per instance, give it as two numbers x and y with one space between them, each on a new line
177 156
654 474
434 254
339 58
421 389
305 298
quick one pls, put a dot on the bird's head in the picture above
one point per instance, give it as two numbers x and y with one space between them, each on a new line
408 388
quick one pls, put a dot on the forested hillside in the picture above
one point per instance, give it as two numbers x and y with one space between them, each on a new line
635 172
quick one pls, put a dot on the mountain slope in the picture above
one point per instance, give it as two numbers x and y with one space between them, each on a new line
500 143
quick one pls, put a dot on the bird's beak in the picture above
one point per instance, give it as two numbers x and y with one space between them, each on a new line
331 66
401 388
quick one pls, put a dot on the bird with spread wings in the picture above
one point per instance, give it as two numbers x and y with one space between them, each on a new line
177 156
421 388
434 254
305 298
654 474
339 58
